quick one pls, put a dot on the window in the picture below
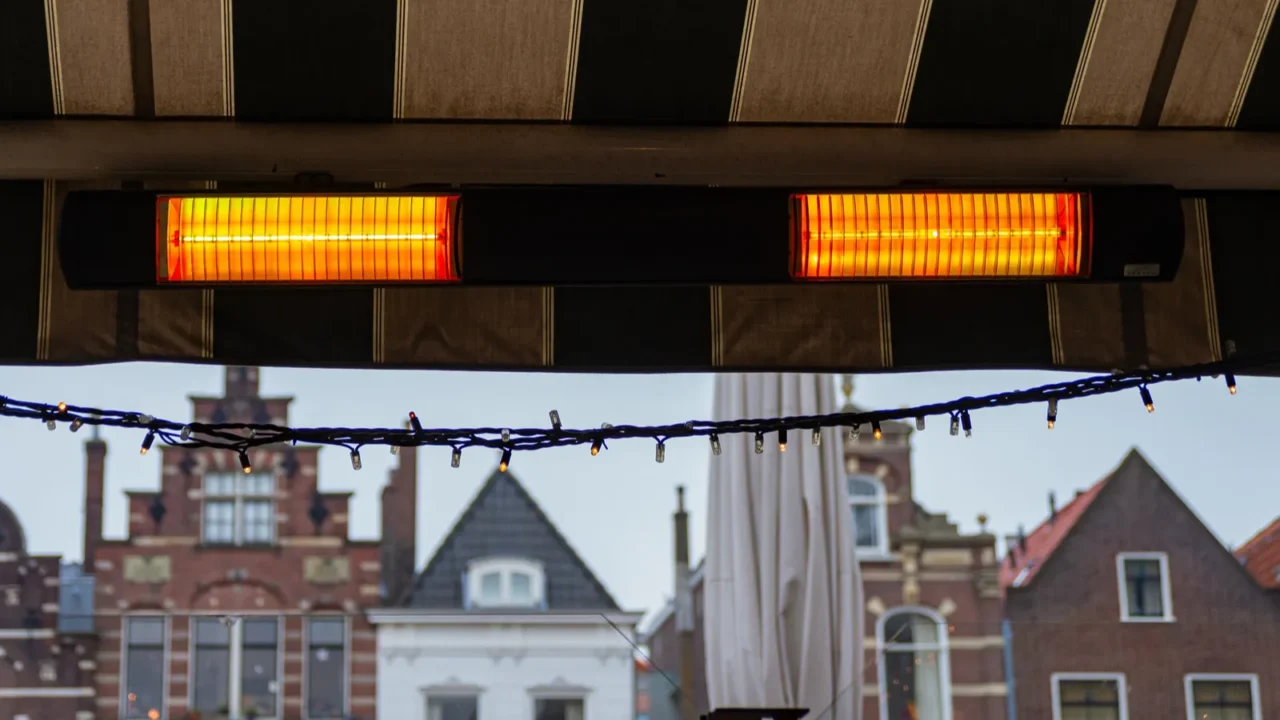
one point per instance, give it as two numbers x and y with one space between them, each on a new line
235 666
915 675
870 514
1089 696
557 709
452 707
1144 587
504 582
326 668
239 509
144 668
1223 697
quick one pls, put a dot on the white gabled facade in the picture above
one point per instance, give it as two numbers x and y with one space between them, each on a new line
506 661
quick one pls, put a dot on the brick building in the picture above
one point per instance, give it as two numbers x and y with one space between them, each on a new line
1122 602
934 646
239 592
46 669
1261 556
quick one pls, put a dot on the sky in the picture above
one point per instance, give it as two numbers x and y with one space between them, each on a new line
615 509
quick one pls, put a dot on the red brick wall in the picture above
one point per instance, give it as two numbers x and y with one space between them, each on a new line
1068 619
32 645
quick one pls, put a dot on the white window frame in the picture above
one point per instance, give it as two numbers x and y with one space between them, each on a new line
235 661
565 693
124 660
505 567
238 499
1251 678
881 503
1166 586
943 647
452 692
1122 689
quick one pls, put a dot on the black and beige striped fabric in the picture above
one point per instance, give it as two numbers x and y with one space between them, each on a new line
1011 64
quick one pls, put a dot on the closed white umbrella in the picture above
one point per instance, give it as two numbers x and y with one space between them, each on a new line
783 614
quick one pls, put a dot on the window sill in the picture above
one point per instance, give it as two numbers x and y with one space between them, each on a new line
1147 620
206 545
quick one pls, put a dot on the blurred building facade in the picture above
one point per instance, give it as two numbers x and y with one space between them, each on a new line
237 591
46 656
506 622
1122 602
934 647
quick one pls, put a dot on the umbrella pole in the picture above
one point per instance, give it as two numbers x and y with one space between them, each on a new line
684 609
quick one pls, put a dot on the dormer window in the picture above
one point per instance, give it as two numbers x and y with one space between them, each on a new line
505 583
870 509
239 509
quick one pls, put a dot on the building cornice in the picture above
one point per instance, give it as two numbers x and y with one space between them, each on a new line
415 616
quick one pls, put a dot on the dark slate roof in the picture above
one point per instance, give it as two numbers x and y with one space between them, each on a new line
12 538
504 520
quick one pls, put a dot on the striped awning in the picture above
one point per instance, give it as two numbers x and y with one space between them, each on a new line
1007 65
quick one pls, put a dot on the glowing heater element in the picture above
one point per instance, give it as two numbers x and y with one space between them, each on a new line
940 235
307 239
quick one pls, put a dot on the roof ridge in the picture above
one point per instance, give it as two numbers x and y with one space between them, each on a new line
1266 531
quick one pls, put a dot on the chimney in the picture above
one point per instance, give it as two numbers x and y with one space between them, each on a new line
1053 506
1022 539
400 526
95 472
684 608
241 382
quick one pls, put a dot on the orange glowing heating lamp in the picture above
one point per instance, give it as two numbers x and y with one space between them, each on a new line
307 239
901 235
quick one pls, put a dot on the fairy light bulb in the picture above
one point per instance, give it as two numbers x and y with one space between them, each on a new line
355 460
1053 412
395 449
966 423
660 453
186 433
1231 383
76 424
455 459
816 438
147 420
596 445
62 407
875 430
506 435
855 431
51 424
414 422
782 440
1146 398
505 462
147 441
244 463
955 424
715 444
920 423
759 443
555 419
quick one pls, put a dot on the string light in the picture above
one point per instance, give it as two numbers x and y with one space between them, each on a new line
76 425
1231 383
51 424
854 431
920 422
660 454
596 445
816 438
237 438
875 430
355 460
782 440
455 459
555 419
147 442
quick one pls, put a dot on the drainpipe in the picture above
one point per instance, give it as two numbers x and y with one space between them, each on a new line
1011 706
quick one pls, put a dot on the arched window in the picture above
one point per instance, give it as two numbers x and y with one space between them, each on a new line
915 673
869 506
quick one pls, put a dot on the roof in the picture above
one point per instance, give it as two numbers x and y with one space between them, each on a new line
503 520
1025 560
814 67
12 537
1261 555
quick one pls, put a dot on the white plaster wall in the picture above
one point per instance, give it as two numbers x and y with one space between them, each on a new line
509 665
